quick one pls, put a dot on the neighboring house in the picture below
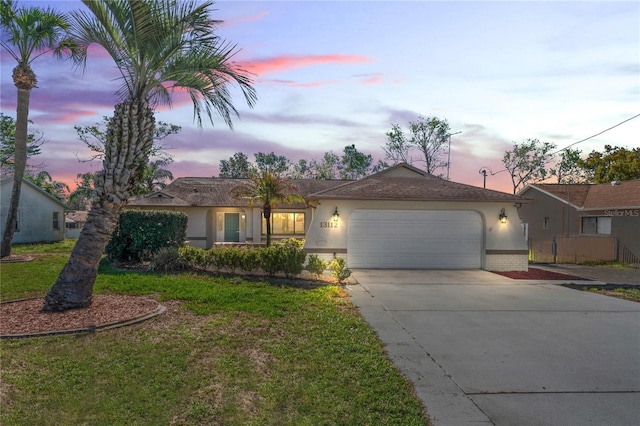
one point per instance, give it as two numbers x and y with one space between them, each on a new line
40 215
399 218
74 221
610 212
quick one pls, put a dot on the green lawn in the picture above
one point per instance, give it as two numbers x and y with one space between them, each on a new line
227 351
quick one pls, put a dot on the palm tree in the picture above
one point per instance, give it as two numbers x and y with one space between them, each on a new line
269 189
80 198
28 33
154 177
44 181
157 46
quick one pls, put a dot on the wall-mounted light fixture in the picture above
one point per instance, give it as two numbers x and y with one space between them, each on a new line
503 216
336 215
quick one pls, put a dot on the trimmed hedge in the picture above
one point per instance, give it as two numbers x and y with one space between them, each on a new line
141 233
285 256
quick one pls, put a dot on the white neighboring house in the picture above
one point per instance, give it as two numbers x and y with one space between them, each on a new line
74 221
398 218
40 215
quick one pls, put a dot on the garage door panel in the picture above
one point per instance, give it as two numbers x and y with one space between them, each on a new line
414 239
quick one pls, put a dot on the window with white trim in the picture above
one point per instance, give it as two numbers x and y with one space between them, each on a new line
285 224
596 225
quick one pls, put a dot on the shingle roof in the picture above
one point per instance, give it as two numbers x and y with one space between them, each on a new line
623 194
215 192
401 182
573 193
412 187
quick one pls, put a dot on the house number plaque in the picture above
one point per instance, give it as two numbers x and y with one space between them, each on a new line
328 224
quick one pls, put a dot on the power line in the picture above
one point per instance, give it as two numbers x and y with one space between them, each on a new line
597 134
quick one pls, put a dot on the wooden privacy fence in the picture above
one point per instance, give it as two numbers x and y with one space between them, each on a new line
579 249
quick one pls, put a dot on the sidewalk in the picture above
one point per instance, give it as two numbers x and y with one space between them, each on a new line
606 274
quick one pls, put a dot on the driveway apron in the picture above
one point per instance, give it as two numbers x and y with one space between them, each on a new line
484 349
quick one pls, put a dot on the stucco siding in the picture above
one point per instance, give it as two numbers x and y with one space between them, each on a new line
326 236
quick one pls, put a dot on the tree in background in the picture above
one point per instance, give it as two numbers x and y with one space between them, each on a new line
157 46
568 168
8 145
300 170
355 164
236 167
352 165
43 180
397 148
427 135
81 197
272 163
527 162
154 178
327 168
615 163
267 188
28 33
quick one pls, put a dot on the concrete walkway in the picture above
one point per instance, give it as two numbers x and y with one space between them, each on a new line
484 349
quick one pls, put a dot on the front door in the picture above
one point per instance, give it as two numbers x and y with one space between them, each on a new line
232 227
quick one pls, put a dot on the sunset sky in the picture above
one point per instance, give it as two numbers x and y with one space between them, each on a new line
335 73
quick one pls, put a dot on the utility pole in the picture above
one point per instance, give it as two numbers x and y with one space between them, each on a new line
449 156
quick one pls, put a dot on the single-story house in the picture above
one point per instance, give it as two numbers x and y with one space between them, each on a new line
585 210
74 221
40 215
401 217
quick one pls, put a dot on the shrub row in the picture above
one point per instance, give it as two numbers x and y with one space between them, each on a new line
285 256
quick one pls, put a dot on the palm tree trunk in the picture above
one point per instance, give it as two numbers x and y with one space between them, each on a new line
74 286
129 140
20 163
267 216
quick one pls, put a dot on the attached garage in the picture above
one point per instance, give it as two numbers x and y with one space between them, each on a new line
415 239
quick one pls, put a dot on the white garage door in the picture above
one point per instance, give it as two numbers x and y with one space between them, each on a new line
408 239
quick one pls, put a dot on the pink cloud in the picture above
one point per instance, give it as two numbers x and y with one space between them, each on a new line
372 80
314 83
288 63
242 19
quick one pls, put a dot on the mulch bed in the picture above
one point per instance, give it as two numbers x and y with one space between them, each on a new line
539 274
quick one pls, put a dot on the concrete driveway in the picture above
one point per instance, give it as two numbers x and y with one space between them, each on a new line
484 349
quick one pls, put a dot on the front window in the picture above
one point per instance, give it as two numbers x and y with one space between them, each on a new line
596 225
285 224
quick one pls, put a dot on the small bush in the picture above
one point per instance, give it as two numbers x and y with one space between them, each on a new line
195 257
166 259
250 260
228 257
315 265
292 256
271 260
339 270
